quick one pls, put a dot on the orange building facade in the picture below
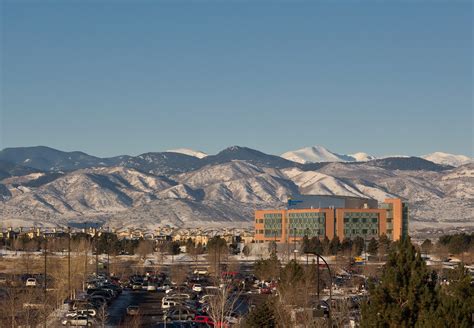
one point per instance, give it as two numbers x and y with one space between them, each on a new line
361 220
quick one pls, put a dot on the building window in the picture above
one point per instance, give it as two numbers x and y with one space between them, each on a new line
347 220
364 231
364 220
374 220
355 220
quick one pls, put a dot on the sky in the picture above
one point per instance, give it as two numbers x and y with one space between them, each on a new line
128 77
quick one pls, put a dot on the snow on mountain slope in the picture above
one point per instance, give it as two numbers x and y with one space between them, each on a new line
225 192
314 154
362 157
239 181
187 151
459 182
448 159
211 174
318 154
375 192
180 191
316 183
93 190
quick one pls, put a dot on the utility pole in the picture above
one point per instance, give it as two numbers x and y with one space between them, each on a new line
45 278
317 274
108 255
96 252
69 261
294 243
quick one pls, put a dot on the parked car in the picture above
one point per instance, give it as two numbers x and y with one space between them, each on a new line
84 312
181 296
204 319
81 320
137 286
163 288
197 288
151 288
201 272
30 282
166 303
178 313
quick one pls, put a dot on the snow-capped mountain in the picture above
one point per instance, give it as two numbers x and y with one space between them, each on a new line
171 188
189 152
316 154
448 159
362 157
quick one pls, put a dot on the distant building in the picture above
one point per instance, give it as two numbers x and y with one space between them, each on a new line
320 216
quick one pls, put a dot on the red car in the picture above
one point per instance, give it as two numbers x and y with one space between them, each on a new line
204 319
265 290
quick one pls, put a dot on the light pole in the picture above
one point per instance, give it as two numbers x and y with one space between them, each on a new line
108 255
96 252
45 278
69 261
307 239
330 283
294 243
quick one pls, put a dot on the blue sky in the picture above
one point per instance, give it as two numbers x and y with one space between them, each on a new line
127 77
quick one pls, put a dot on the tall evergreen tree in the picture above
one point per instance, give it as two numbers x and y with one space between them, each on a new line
346 245
315 246
457 300
426 246
263 316
334 245
358 245
406 295
373 247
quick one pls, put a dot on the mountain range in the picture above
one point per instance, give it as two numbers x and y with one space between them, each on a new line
45 186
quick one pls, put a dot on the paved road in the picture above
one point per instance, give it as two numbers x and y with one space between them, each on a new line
150 307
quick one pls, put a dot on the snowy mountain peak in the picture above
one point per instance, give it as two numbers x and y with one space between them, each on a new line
190 152
362 157
317 154
448 159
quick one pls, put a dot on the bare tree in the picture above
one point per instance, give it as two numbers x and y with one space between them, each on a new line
179 273
223 303
144 248
102 316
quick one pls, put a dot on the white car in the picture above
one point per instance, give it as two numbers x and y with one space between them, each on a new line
203 272
164 288
91 312
30 282
151 288
79 321
166 304
197 288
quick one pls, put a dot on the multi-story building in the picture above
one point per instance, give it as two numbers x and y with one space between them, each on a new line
320 216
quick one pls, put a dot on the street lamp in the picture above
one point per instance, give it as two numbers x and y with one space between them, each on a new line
69 260
294 243
306 233
45 279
